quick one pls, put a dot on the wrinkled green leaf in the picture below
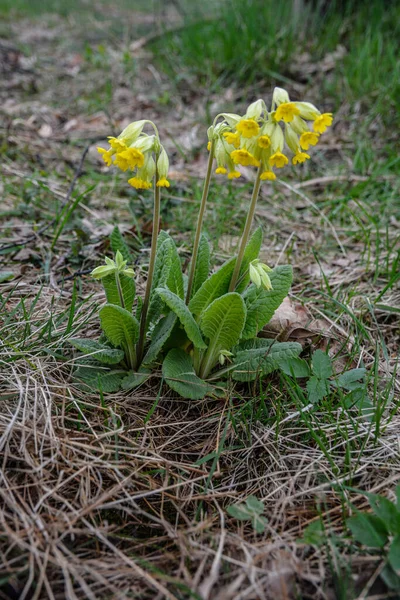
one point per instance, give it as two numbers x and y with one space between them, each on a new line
222 322
97 377
119 325
135 378
261 304
117 242
100 352
351 380
179 374
128 288
179 307
202 264
321 365
313 534
260 357
368 530
160 335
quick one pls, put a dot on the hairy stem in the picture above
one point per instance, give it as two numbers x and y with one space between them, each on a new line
145 307
246 231
200 223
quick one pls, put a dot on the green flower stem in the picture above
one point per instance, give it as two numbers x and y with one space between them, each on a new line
246 231
121 296
200 223
145 307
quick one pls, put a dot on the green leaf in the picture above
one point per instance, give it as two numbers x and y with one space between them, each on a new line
160 335
179 374
394 554
321 365
251 253
261 304
135 378
100 352
222 322
202 264
350 380
261 356
128 288
95 376
218 284
368 530
118 243
119 325
397 492
6 276
390 578
317 389
167 274
313 534
184 315
251 510
295 367
387 511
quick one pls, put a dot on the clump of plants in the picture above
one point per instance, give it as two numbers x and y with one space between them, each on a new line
201 327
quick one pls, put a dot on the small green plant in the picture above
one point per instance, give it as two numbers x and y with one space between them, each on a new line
321 381
252 510
202 328
380 531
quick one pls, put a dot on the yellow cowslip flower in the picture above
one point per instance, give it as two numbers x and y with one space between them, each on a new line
139 184
121 162
248 128
133 156
243 157
308 138
322 122
163 182
221 171
209 146
267 176
106 155
264 141
234 174
286 112
300 157
118 145
232 138
278 160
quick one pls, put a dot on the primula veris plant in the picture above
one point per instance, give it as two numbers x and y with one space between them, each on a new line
203 328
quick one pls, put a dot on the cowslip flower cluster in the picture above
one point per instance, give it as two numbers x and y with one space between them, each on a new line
140 153
258 138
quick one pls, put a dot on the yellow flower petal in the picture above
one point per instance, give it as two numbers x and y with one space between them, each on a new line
248 128
232 138
106 155
322 122
139 184
163 182
278 160
243 157
234 174
286 111
264 141
268 176
300 157
307 139
221 171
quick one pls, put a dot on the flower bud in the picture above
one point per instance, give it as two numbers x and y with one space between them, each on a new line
163 164
279 96
255 109
132 132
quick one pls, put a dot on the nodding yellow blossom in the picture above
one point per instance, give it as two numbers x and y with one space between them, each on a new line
163 182
117 144
286 112
322 122
106 155
307 139
232 138
264 141
243 157
121 162
268 176
300 157
278 160
139 184
234 174
248 128
133 157
209 146
221 171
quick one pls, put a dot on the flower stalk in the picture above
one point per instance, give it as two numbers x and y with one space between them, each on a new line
246 231
146 300
199 225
